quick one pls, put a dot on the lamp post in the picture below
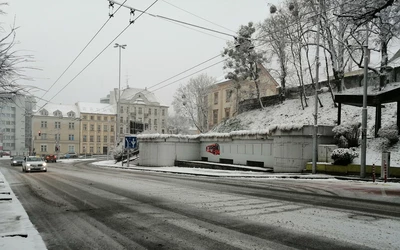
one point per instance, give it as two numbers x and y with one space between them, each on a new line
117 135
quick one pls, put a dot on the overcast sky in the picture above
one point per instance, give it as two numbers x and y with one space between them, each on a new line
54 32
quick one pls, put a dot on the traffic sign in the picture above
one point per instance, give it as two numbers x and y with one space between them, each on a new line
131 142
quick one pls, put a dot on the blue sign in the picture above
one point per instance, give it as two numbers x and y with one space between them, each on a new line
131 142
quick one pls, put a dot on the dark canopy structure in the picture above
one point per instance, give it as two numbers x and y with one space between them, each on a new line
375 100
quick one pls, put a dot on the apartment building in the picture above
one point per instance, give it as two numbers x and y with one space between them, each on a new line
15 123
55 129
97 127
223 98
139 106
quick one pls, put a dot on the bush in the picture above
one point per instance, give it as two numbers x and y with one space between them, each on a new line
390 134
343 156
347 135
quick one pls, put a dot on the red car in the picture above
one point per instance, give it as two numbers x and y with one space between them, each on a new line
213 149
50 158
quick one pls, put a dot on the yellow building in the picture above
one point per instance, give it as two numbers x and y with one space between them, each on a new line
224 97
97 127
55 129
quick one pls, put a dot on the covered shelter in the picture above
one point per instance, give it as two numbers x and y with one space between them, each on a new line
388 95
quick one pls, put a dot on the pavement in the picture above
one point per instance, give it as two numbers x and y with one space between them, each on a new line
17 231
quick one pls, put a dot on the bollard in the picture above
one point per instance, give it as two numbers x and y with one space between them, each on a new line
384 171
373 173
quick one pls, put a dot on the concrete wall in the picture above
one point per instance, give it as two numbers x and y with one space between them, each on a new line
240 150
293 149
163 152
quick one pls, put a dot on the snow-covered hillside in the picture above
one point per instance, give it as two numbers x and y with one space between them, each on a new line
291 112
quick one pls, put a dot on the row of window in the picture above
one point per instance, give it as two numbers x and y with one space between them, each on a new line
57 113
57 137
140 110
105 138
105 127
43 148
215 115
155 122
8 137
9 145
91 150
7 122
9 130
228 96
98 118
43 124
6 115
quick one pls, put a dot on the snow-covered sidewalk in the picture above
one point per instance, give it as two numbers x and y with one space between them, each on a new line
16 230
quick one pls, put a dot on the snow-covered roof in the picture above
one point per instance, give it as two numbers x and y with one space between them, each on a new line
63 108
129 93
96 108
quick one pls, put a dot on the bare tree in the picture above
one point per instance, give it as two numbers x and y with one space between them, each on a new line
190 101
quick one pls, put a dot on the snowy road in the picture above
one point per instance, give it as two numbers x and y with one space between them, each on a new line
81 206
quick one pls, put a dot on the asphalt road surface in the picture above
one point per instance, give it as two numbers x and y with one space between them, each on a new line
81 206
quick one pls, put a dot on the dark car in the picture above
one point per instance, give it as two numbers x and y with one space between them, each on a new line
17 160
50 158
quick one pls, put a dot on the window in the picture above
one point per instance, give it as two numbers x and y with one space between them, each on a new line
99 118
84 138
149 111
71 149
215 116
228 95
122 109
105 118
111 139
44 136
112 128
105 128
139 111
57 124
57 137
227 112
150 123
105 138
162 123
163 112
98 150
44 112
91 138
57 113
43 124
91 127
155 121
92 117
121 119
155 111
71 137
84 117
98 128
91 149
121 130
43 148
112 118
71 125
85 127
71 114
98 138
216 98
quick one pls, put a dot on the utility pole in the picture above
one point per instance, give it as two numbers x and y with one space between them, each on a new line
117 132
315 134
364 110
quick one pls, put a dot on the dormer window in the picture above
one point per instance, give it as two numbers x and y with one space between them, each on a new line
44 112
57 113
71 114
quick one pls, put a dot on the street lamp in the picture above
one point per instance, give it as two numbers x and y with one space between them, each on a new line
119 46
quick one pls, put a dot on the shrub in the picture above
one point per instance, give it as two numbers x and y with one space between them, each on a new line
390 134
347 135
343 156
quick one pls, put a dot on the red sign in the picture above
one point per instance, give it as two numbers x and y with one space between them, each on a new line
213 149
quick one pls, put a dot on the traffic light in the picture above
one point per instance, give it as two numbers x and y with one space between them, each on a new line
39 133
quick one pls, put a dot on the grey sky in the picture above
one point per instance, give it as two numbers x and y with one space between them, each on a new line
54 32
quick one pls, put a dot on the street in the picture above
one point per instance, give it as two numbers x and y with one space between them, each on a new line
81 206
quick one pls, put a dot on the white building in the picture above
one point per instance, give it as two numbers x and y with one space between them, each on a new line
139 106
15 123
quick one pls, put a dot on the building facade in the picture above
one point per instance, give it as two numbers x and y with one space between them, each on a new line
97 130
55 129
139 108
223 98
15 123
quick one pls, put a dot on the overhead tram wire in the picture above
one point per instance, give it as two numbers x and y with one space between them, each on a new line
80 72
84 48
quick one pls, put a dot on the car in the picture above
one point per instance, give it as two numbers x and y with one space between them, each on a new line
71 156
34 163
50 158
17 160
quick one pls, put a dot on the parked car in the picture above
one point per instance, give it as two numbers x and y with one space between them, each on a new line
17 160
70 155
50 158
34 163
